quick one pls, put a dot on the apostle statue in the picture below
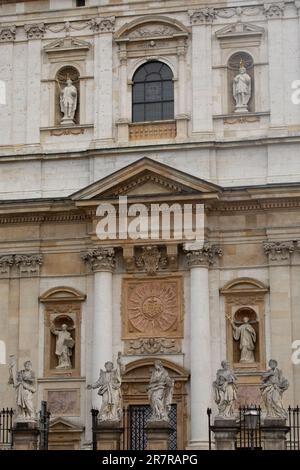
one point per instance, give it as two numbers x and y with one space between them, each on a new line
272 388
242 89
160 392
64 345
225 391
109 384
23 382
246 334
68 102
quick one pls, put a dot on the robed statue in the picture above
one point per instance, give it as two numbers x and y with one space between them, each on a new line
68 102
241 88
160 392
64 346
23 382
246 335
225 391
272 388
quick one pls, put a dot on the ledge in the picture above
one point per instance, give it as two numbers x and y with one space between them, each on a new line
241 118
58 131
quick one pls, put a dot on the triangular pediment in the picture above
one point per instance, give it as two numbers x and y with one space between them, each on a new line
63 425
67 47
237 30
146 177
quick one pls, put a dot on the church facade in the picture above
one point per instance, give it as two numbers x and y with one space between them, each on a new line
174 106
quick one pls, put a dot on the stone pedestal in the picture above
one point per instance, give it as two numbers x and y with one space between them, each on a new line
158 433
225 430
274 432
108 435
25 435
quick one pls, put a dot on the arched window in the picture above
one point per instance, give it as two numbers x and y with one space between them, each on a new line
153 93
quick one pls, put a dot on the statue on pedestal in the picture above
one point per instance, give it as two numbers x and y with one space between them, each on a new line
24 383
246 334
160 392
225 391
242 89
68 102
109 384
272 388
64 346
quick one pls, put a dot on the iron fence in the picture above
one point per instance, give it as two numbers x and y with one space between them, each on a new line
293 436
44 420
6 422
249 434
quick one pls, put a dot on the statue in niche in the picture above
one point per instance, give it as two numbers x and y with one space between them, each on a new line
272 388
109 384
246 335
225 390
64 346
242 89
24 383
160 392
68 101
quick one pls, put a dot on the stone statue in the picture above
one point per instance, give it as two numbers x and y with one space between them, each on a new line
109 384
160 392
64 345
245 333
68 102
272 388
24 383
225 391
242 89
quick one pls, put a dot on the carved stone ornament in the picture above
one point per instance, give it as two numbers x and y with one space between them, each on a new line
153 30
35 31
279 251
29 264
274 10
6 262
204 15
8 33
151 259
145 346
100 259
103 25
203 257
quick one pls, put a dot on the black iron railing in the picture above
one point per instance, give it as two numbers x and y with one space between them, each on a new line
6 423
249 435
293 437
94 413
44 421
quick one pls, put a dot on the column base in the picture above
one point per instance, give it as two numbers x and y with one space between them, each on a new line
158 433
274 432
198 445
225 431
108 435
25 435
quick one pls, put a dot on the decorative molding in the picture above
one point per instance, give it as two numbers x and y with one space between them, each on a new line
103 25
278 251
243 33
203 15
35 31
100 259
6 262
8 33
241 119
29 265
143 346
206 256
67 131
67 27
67 47
152 131
274 10
151 259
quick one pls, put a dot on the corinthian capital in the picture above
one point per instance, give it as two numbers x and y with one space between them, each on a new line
35 31
279 251
100 259
29 265
205 256
8 33
274 10
203 15
103 25
6 262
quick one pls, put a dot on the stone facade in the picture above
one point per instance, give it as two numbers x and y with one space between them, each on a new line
244 168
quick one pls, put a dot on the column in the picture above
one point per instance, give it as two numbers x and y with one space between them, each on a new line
279 257
101 261
104 105
200 343
182 117
201 21
123 120
274 13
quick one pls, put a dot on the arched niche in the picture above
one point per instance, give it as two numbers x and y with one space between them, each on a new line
62 306
134 391
64 73
233 66
245 297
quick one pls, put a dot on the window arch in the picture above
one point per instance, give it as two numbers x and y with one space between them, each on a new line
153 93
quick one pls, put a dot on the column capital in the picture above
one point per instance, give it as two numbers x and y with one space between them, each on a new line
6 262
8 33
202 16
100 259
29 265
103 25
203 257
278 252
274 10
35 31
